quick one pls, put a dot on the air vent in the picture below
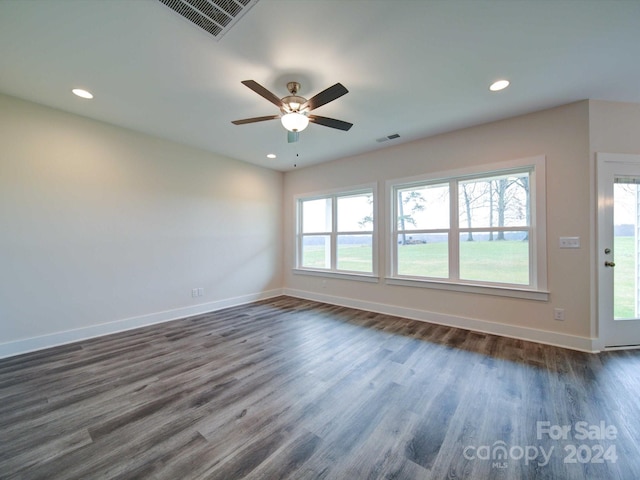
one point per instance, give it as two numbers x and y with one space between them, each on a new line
388 137
214 16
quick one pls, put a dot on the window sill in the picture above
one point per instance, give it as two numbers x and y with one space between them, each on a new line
359 277
513 292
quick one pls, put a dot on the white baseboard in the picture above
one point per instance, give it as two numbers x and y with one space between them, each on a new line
572 342
27 345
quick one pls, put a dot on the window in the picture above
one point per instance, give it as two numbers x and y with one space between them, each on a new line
335 233
473 229
423 224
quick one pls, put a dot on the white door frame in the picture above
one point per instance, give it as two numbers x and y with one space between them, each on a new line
608 165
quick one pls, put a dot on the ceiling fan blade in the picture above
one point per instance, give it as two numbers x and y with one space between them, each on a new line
325 96
263 92
293 137
330 122
255 119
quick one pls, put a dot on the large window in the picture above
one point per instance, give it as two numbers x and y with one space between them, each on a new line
477 229
336 232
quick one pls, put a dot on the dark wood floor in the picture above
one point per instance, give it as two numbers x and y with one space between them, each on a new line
288 388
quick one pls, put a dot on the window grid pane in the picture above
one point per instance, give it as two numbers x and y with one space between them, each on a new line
495 257
316 251
316 215
355 213
423 207
501 201
355 253
423 255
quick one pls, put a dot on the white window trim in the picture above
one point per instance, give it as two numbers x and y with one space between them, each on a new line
358 277
538 252
333 272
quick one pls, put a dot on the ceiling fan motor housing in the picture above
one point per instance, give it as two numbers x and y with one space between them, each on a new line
293 87
292 104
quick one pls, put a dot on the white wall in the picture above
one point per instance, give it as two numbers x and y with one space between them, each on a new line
102 228
562 135
613 128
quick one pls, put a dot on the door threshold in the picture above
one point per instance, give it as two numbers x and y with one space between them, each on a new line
621 347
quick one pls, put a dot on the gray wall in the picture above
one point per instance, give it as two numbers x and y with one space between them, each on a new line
103 228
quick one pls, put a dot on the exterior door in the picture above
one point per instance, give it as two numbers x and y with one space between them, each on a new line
619 249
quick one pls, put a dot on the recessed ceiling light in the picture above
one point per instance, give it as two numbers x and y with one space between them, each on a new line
499 85
82 93
271 155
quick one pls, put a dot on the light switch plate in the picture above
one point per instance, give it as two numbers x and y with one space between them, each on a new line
569 242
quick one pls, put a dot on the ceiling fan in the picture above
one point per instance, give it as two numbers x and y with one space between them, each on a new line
295 109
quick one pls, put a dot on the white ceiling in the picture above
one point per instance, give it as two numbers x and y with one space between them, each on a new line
412 67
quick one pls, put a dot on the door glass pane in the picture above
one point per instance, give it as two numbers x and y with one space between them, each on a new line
497 257
625 248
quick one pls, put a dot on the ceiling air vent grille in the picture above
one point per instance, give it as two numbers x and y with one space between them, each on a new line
213 16
388 137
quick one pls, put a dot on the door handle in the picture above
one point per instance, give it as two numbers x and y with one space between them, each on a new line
609 264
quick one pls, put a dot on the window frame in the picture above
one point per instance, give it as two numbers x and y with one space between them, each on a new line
537 287
334 233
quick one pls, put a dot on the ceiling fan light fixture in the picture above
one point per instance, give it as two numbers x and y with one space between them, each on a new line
294 110
294 122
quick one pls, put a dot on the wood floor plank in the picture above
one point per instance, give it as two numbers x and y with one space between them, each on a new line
291 388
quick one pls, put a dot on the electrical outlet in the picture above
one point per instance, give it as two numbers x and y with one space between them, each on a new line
558 314
194 292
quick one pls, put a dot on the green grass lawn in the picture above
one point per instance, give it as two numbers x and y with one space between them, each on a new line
624 278
499 261
353 258
429 259
505 261
356 258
